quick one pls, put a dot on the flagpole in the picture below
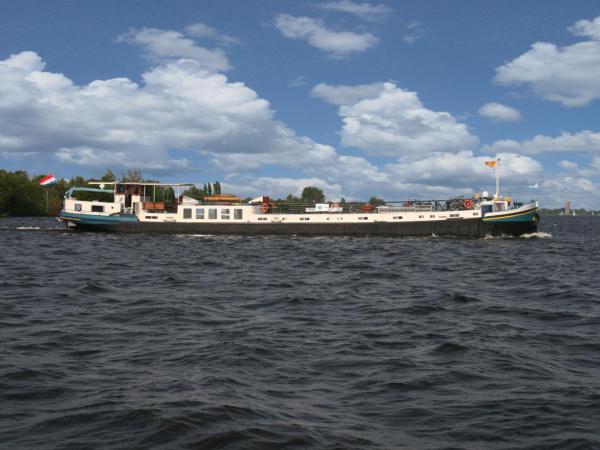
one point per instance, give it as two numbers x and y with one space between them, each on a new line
46 201
498 178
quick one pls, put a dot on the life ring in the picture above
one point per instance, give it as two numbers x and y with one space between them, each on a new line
264 208
468 203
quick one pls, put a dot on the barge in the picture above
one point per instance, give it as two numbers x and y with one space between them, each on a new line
137 207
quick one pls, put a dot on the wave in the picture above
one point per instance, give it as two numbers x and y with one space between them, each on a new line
536 235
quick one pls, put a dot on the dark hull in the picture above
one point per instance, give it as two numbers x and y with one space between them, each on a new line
454 228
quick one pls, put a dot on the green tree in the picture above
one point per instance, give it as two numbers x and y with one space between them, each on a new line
209 189
194 193
20 195
132 176
312 194
376 201
217 187
78 181
109 176
292 199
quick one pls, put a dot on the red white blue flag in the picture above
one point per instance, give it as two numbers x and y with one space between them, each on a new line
48 180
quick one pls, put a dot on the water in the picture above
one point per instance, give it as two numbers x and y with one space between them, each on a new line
149 341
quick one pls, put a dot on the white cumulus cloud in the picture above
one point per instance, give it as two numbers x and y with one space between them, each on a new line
179 105
167 45
466 171
581 142
568 165
581 191
385 120
499 112
588 28
332 42
182 107
281 187
568 75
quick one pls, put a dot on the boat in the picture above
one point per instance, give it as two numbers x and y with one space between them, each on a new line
134 207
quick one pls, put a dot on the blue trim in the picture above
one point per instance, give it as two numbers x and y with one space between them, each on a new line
92 219
527 216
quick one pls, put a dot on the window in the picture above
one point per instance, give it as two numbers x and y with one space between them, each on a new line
432 216
397 217
421 217
187 213
225 214
97 208
212 213
77 206
200 213
237 214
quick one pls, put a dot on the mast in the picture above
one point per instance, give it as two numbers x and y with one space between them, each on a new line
497 178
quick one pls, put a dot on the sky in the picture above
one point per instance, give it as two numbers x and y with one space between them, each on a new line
398 99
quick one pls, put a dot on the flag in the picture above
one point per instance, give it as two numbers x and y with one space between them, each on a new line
48 180
490 163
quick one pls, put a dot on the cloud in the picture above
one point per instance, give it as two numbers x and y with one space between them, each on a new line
587 28
385 120
203 31
166 45
568 165
465 171
365 11
581 191
86 156
335 43
299 81
281 187
414 31
179 105
345 95
499 112
568 75
181 108
581 142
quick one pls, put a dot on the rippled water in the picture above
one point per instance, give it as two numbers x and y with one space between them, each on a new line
186 341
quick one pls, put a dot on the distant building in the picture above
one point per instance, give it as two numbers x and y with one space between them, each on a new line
568 208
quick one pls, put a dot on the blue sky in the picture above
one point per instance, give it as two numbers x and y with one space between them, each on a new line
395 99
